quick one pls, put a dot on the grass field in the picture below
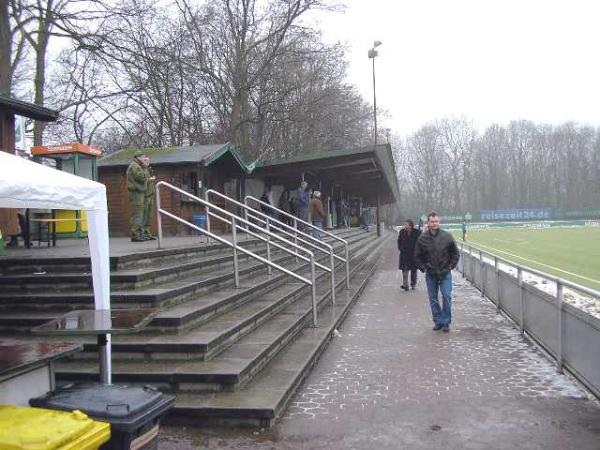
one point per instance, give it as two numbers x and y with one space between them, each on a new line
569 253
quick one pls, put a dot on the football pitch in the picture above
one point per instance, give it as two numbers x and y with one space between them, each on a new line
569 253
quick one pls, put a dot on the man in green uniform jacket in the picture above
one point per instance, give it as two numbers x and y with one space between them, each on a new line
149 203
139 183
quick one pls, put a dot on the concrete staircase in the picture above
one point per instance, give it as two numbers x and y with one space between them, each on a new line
231 355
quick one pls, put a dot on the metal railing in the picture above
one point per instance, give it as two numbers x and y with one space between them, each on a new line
235 222
296 221
271 224
567 339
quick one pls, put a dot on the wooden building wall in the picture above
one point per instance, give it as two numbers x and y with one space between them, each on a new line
118 198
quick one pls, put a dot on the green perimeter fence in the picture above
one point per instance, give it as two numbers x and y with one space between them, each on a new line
538 225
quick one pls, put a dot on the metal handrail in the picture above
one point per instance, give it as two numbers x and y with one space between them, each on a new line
297 220
269 226
558 280
234 244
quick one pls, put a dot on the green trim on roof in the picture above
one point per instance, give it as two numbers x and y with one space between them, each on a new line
227 148
127 154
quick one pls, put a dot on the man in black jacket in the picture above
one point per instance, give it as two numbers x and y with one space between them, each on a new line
436 254
407 239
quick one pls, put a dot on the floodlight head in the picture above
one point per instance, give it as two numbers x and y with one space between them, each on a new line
372 53
376 44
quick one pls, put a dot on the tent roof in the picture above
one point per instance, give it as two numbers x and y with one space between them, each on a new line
205 154
26 184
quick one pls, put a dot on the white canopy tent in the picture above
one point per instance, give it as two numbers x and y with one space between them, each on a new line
25 184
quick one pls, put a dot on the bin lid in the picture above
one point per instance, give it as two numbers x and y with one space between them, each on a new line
100 400
43 429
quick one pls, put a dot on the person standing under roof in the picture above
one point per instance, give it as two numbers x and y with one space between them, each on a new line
317 214
302 204
284 205
138 178
436 254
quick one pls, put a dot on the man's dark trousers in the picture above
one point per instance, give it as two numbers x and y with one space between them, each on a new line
435 283
413 278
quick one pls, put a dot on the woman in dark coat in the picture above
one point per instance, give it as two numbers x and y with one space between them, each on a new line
407 239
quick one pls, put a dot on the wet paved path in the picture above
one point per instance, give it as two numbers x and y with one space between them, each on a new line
390 382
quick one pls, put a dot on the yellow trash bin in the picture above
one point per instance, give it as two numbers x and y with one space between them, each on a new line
45 429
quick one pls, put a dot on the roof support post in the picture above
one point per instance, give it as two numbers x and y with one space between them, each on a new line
377 212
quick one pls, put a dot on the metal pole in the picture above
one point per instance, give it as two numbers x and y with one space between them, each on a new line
104 359
295 233
520 280
269 269
314 290
332 265
347 266
207 215
158 218
374 103
468 265
482 271
247 227
236 271
497 270
560 302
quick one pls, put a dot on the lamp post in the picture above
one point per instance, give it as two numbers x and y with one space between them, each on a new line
372 54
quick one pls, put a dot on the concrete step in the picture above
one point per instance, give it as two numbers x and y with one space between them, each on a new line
168 293
158 267
260 401
241 311
126 279
231 368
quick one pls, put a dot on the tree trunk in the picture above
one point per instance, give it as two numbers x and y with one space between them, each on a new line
5 49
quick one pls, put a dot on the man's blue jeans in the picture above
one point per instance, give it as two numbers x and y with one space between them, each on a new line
315 232
441 315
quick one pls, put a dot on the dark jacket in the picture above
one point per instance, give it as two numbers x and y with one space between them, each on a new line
406 246
436 253
301 198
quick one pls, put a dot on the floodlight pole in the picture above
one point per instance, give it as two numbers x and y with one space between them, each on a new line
372 54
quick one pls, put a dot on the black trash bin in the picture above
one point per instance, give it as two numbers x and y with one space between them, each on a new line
134 413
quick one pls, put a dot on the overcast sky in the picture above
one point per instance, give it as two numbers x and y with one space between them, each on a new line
488 60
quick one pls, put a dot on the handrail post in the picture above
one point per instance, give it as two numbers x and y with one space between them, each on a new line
560 304
296 233
247 227
346 256
236 272
497 270
158 217
207 209
332 265
468 264
269 269
462 260
482 272
314 290
522 306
